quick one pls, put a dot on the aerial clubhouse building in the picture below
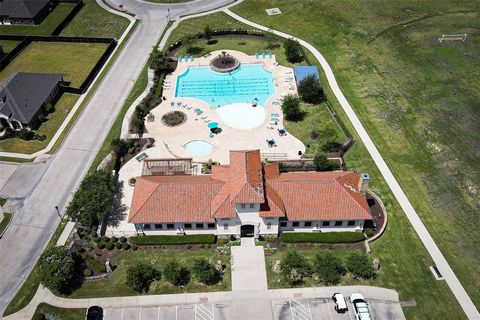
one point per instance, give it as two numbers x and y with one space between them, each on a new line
250 198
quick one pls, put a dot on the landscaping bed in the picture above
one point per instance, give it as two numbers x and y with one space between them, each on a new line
174 118
177 240
59 313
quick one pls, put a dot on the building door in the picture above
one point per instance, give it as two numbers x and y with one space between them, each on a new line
247 230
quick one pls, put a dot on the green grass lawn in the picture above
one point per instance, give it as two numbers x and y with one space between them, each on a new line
53 121
8 45
46 27
115 284
2 201
61 313
317 118
5 221
73 60
93 21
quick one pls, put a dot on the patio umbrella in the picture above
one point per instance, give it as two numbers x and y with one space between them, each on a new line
212 125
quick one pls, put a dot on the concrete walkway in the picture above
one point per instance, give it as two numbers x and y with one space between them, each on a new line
437 256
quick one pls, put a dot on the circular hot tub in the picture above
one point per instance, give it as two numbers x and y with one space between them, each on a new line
198 148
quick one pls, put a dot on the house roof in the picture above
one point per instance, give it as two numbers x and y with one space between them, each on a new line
24 93
21 8
297 196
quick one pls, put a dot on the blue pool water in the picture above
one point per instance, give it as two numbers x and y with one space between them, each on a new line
198 148
244 84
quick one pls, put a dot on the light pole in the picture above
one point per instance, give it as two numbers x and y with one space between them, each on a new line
168 10
59 214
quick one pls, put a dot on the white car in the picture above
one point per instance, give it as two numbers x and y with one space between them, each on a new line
360 307
340 304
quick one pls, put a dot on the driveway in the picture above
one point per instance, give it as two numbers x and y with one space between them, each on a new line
35 222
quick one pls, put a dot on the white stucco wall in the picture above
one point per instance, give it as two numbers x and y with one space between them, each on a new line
317 226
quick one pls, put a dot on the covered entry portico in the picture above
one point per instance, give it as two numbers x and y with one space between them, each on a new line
247 231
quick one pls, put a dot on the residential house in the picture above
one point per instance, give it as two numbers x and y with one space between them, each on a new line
250 198
25 11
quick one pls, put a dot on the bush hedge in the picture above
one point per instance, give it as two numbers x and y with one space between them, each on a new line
172 240
322 237
101 245
109 246
97 265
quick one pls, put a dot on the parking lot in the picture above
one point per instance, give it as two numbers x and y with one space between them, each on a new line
200 311
324 309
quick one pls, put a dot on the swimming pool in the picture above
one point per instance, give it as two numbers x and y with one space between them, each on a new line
247 83
198 147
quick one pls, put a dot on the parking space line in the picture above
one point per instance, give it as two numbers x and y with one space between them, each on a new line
351 316
140 314
158 313
300 311
329 313
176 312
122 314
203 313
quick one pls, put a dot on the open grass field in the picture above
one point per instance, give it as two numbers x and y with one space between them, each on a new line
115 284
54 120
93 21
73 60
46 27
5 221
8 45
417 98
61 313
403 257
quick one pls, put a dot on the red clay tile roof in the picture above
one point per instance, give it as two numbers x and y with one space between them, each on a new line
299 195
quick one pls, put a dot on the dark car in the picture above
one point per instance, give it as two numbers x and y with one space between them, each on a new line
94 313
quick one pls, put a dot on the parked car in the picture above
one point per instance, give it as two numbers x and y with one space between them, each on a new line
360 306
340 303
94 313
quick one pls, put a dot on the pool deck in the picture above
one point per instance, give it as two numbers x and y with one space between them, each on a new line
169 141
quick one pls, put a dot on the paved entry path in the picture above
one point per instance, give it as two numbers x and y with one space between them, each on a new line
249 282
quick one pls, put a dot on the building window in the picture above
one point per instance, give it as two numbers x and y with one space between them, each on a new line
295 224
158 226
269 226
170 226
225 226
308 223
242 206
325 223
211 226
338 223
188 226
283 224
252 205
351 223
226 219
199 225
147 227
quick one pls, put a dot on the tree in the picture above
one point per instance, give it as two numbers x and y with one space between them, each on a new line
205 272
93 200
188 42
293 50
120 147
310 89
359 266
322 163
294 267
160 62
176 274
207 32
328 267
56 268
25 134
291 107
140 276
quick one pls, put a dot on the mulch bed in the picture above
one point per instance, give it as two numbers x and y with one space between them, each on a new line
377 213
174 118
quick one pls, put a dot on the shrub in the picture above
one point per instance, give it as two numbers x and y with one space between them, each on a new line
207 32
174 240
88 247
126 246
140 276
222 241
118 245
322 163
56 269
113 239
328 267
101 245
310 89
134 248
123 239
25 134
176 274
93 234
38 316
293 50
294 267
97 265
87 273
109 246
49 108
331 146
105 239
291 107
359 266
188 246
205 272
97 240
321 237
368 232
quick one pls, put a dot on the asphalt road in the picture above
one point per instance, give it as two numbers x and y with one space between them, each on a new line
36 217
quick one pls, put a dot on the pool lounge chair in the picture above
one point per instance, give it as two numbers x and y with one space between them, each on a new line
189 107
198 111
204 117
274 114
207 120
275 119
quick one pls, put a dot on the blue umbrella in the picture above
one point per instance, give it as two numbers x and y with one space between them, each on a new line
212 125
